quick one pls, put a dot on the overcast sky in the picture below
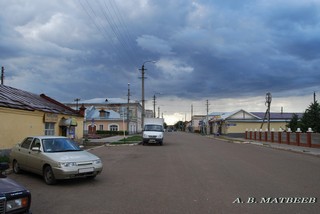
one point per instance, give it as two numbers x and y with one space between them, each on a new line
228 52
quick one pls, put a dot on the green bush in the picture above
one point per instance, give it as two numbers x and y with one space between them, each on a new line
99 132
4 159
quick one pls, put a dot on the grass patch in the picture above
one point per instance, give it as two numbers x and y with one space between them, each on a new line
132 138
129 140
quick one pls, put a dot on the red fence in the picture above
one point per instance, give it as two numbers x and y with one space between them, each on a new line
308 139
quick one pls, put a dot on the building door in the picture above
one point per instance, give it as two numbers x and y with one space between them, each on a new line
92 129
63 131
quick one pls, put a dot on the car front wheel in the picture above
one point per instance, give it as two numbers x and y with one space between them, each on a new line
49 176
16 167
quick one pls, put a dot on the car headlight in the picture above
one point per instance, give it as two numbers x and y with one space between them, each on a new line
97 161
17 204
67 164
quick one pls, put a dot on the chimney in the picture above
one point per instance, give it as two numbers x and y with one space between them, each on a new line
82 110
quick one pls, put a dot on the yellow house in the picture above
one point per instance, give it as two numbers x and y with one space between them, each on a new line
25 114
237 122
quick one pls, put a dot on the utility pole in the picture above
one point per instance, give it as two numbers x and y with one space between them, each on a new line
128 107
207 124
267 114
158 111
142 91
314 97
77 102
2 75
191 117
154 106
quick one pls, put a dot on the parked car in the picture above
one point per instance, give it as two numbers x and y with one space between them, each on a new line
14 198
54 157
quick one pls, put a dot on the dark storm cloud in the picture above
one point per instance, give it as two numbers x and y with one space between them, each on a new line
203 48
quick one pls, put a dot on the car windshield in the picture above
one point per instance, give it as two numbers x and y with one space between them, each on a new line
157 128
59 145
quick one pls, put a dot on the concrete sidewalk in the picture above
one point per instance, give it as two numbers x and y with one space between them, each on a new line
282 146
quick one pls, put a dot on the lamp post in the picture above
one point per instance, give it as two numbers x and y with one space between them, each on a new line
142 92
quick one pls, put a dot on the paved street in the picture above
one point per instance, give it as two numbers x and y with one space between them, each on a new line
188 174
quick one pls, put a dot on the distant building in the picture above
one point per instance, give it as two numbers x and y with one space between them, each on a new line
235 123
103 120
149 113
196 122
110 114
23 114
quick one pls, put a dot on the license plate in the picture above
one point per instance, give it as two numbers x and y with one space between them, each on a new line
85 170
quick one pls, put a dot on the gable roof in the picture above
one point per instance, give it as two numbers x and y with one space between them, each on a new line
244 115
234 115
23 100
93 113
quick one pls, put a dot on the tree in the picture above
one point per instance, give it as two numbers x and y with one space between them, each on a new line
294 123
165 125
311 118
179 125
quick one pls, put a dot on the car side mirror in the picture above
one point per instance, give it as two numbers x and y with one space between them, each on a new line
36 149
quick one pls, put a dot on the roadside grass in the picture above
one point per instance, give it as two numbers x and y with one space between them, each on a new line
129 140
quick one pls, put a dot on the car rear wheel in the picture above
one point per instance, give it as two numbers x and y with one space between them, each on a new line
16 167
49 176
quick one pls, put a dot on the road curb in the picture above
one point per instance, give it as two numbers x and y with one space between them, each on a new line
301 150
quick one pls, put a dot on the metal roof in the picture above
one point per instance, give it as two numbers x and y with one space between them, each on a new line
278 115
93 113
104 101
19 99
274 116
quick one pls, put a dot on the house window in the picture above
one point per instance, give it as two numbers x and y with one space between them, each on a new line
114 128
101 127
49 129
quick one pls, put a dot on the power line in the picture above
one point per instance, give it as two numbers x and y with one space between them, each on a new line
116 36
99 26
127 35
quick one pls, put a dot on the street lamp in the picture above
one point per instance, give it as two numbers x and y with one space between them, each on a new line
142 88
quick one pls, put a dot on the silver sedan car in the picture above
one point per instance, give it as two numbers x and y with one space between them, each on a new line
54 157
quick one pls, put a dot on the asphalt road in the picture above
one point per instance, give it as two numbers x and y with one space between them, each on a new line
188 174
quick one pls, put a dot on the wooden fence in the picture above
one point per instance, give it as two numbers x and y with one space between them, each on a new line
308 139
